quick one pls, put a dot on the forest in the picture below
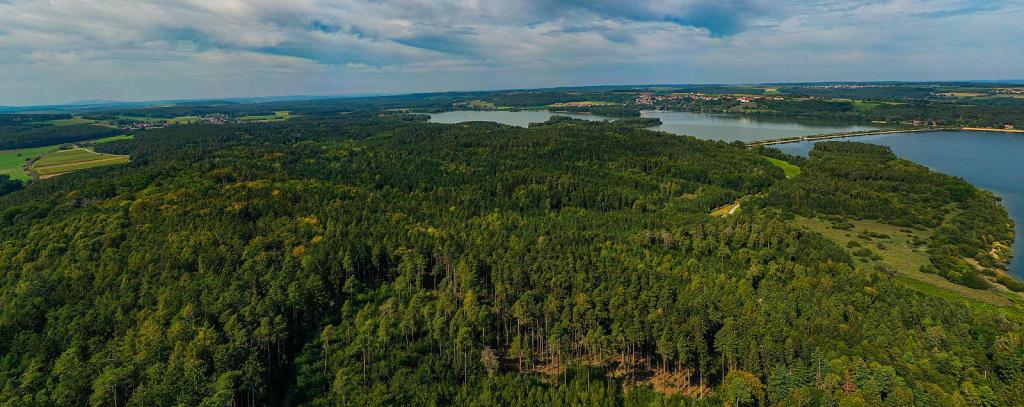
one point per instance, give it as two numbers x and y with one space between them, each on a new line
15 136
372 258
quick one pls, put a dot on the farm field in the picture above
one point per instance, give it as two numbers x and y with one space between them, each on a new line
113 138
276 117
64 161
13 161
168 120
74 121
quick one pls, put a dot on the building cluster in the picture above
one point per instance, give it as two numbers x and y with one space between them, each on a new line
843 86
650 98
142 125
1008 91
215 118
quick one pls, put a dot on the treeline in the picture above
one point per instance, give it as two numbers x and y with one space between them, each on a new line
40 135
918 111
375 259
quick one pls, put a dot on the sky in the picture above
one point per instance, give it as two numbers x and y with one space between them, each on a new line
59 51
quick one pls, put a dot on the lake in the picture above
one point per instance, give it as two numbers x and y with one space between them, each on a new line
520 119
744 128
986 159
701 125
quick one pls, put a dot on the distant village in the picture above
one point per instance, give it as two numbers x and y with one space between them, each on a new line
649 98
215 118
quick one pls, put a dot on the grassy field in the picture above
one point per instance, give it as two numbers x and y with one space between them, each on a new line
169 120
113 138
862 106
961 94
63 161
12 161
72 121
902 249
276 117
790 169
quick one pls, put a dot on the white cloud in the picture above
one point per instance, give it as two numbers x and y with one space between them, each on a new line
59 50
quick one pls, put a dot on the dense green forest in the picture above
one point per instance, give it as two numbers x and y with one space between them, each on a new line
376 259
35 134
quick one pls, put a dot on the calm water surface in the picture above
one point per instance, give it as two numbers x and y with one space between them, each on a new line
520 119
744 128
701 125
988 160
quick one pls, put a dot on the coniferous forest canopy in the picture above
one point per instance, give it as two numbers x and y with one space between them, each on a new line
356 254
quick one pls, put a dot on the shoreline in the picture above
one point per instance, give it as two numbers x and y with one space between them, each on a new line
830 136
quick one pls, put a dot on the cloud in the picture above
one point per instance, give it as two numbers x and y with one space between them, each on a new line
60 50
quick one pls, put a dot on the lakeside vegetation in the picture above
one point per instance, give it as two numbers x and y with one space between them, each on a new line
967 228
375 259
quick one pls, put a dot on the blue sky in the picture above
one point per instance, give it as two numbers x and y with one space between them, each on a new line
58 51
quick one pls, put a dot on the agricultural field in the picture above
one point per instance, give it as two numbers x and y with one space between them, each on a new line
862 106
113 138
168 120
64 161
961 94
13 161
74 121
276 117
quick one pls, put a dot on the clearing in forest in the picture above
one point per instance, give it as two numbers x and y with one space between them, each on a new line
276 117
726 210
790 169
64 161
873 243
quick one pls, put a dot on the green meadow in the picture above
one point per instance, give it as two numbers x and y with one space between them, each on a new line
12 161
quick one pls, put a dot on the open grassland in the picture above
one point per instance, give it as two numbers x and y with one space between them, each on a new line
74 121
790 169
64 161
12 162
113 138
877 244
276 117
168 120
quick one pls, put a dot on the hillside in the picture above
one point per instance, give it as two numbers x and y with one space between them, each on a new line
375 259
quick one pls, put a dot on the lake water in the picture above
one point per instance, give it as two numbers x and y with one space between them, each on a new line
744 128
986 159
520 119
701 125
